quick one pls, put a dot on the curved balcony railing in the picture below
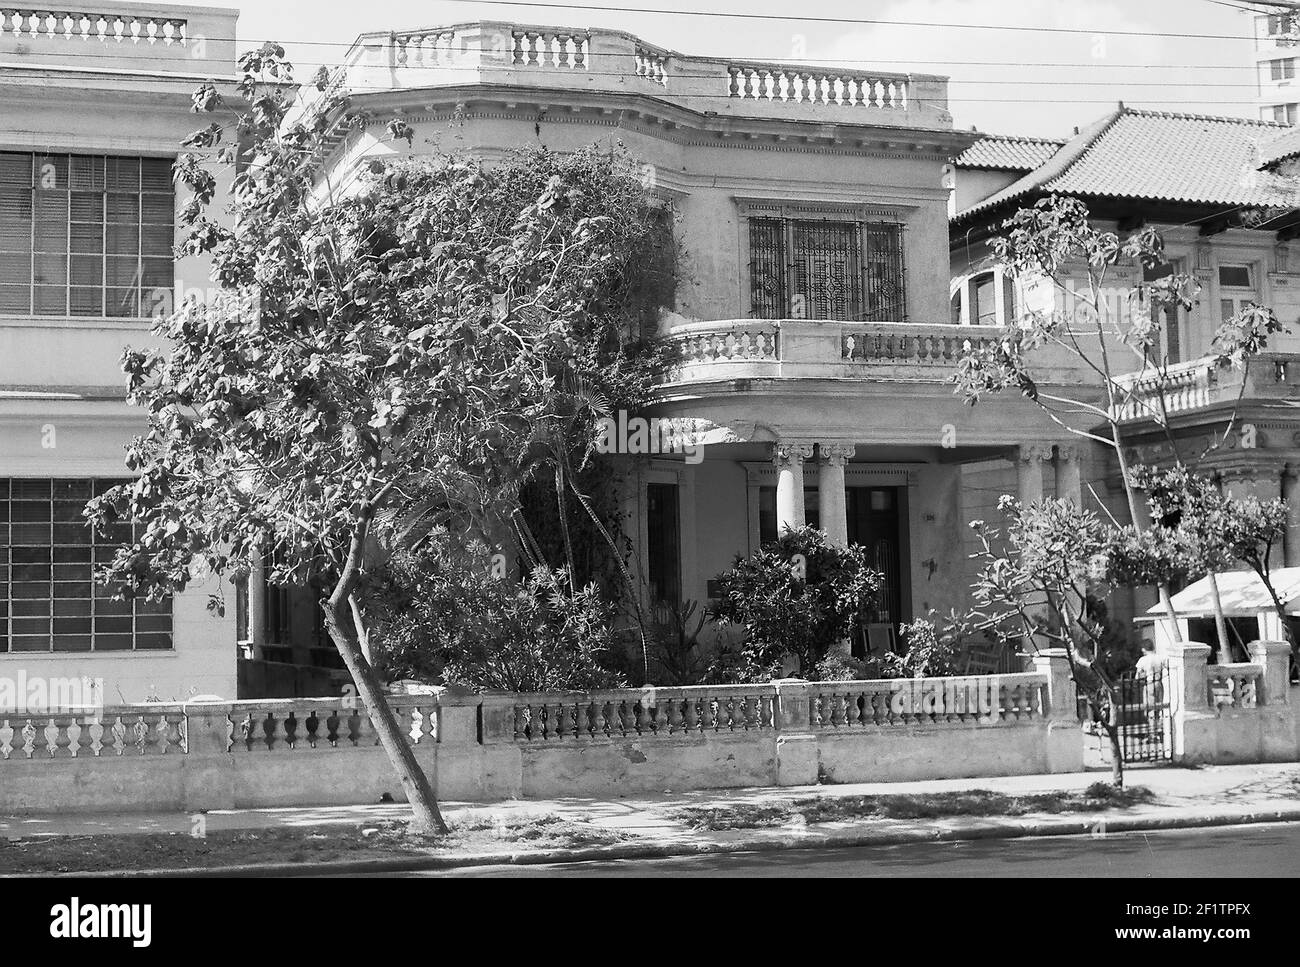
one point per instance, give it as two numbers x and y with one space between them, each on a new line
756 348
1201 383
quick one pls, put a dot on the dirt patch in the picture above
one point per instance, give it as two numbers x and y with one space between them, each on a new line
66 854
976 802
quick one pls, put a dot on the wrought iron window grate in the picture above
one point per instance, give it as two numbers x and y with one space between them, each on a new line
827 269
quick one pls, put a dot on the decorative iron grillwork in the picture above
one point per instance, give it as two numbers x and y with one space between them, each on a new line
830 269
767 268
825 281
883 261
1143 716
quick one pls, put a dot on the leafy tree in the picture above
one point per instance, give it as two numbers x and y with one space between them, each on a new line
394 353
1054 241
453 619
797 596
1049 558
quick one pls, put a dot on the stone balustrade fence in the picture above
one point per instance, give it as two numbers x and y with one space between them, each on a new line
259 753
324 751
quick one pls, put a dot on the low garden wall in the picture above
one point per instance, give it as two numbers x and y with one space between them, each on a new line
1240 712
299 752
302 752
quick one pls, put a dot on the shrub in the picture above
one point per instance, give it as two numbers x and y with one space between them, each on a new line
798 596
448 619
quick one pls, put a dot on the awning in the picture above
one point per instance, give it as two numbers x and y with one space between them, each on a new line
1242 594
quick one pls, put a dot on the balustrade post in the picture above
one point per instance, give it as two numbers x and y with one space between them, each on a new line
1194 724
797 758
209 768
1279 737
497 717
207 727
1061 710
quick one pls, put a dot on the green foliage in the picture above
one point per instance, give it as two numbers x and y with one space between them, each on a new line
797 596
451 620
933 646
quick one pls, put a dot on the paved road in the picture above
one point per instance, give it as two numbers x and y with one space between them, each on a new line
1242 851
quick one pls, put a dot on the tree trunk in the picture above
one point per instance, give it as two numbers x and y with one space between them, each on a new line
1116 753
1220 622
426 817
344 630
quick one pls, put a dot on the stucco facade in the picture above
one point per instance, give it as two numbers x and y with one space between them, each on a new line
79 94
807 409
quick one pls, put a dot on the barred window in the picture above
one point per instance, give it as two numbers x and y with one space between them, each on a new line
49 600
829 269
85 235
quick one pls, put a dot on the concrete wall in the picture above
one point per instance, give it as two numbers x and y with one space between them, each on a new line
471 750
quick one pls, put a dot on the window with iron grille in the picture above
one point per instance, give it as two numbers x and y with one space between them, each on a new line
826 269
49 600
85 235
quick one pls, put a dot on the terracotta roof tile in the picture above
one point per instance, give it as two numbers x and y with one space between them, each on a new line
1159 156
1006 153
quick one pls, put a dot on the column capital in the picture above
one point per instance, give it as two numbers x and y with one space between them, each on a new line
1035 453
1066 452
835 454
791 451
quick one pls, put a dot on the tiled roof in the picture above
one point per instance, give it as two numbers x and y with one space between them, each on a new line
1007 153
1287 146
1157 156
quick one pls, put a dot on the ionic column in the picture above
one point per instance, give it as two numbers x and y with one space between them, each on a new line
831 502
1069 473
1291 492
1029 471
789 458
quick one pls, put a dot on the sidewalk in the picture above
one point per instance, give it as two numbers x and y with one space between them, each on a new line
653 826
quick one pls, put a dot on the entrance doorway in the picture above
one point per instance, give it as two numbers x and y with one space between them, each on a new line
876 522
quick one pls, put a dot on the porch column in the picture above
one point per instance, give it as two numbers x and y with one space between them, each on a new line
789 458
1029 468
257 605
1069 473
831 501
1029 471
1291 492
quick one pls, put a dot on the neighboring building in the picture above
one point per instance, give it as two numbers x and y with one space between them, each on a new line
94 108
1222 193
1276 57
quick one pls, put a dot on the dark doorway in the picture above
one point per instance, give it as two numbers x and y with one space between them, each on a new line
875 523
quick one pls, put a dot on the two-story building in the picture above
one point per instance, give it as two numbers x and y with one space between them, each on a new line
814 318
1223 198
94 107
812 203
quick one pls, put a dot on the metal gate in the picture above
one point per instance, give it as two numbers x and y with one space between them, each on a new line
1143 713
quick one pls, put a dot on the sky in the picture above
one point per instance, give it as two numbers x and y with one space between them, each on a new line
1078 62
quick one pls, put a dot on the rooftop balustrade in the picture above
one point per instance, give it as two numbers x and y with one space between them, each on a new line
613 62
120 36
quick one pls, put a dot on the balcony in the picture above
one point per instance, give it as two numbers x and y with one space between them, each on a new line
1200 384
508 55
744 349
